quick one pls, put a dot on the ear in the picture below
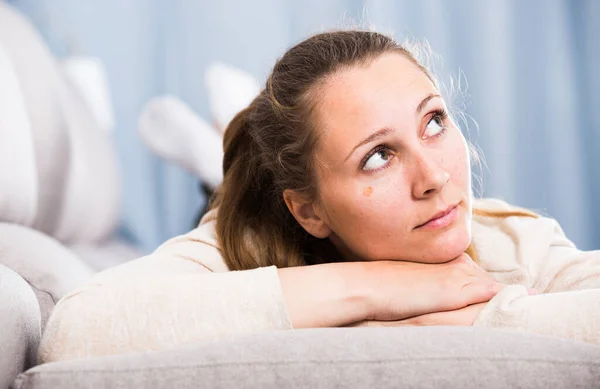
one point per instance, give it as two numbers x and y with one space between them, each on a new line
306 214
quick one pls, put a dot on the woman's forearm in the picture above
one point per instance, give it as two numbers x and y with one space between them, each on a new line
342 293
326 295
114 314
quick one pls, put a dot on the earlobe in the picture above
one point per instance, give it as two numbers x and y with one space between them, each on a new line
304 213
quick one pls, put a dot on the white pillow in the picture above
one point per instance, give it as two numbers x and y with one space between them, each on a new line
78 188
18 177
230 90
174 132
88 75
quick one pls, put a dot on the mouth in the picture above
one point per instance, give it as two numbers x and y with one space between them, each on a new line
441 219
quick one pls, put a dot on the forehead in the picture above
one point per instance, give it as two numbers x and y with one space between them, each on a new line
359 100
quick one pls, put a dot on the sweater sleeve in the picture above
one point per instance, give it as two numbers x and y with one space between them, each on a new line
568 281
571 315
181 294
564 267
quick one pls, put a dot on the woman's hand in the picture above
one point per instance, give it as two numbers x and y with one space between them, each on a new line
460 317
402 290
337 294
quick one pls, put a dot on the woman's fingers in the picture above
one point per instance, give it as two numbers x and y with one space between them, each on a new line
480 291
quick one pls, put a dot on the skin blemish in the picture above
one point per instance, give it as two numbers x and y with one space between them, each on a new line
368 191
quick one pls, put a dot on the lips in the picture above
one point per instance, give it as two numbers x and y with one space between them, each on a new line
439 215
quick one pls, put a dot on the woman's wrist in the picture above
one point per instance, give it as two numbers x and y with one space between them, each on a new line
327 295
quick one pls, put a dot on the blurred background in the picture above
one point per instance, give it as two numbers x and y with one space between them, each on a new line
529 69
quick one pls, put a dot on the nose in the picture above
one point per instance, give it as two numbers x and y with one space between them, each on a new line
429 177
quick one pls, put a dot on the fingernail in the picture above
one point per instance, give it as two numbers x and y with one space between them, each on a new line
532 291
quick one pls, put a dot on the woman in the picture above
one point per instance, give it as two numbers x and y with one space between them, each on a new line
346 200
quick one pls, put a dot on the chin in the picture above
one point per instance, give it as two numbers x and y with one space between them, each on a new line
445 254
447 247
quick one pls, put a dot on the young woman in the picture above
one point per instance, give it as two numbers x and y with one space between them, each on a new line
346 201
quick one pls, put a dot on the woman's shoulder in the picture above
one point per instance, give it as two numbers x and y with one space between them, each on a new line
503 216
493 205
199 245
195 251
500 229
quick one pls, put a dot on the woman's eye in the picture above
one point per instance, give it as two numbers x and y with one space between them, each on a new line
379 159
435 126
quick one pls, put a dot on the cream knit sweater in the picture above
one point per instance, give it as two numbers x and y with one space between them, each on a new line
184 293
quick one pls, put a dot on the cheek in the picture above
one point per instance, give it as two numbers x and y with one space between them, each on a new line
365 207
378 203
458 162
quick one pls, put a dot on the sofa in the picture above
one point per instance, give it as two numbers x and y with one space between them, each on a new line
59 212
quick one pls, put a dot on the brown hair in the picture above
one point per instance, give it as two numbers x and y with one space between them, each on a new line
269 146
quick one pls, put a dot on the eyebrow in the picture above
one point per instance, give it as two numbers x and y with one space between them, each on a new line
426 100
374 136
386 130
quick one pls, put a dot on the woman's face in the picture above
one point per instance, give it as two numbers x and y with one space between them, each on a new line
390 162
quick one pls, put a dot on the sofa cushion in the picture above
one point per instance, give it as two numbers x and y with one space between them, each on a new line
423 357
51 269
20 326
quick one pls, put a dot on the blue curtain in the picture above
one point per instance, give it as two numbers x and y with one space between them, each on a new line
530 66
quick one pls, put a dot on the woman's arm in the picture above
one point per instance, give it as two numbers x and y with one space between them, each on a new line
167 300
338 294
563 267
570 315
184 293
568 282
154 311
181 293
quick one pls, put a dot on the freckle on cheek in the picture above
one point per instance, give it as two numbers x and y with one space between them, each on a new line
368 191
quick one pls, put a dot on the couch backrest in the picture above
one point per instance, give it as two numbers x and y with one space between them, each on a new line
59 169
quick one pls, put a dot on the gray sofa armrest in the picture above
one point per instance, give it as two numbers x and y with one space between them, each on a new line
20 326
417 357
50 268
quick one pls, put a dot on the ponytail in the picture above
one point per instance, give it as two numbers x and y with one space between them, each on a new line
250 211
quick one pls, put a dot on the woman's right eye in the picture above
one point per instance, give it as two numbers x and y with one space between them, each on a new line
378 160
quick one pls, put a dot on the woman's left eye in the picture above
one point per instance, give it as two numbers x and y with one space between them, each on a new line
435 126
